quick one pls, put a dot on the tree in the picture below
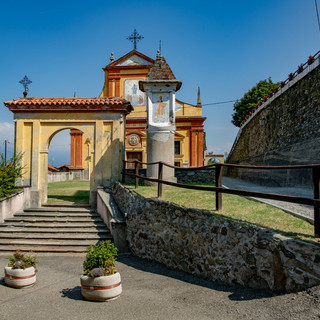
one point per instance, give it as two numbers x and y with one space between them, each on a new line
250 100
213 161
9 172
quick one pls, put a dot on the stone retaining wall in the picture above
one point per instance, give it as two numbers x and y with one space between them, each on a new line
290 134
206 175
14 203
184 176
215 247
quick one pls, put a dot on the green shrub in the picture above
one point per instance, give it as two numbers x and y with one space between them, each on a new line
102 256
20 260
10 170
249 102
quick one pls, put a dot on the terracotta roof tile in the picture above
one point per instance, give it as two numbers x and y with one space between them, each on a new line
160 70
71 104
67 101
52 168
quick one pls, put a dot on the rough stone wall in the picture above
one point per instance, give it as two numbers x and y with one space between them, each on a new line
196 176
215 247
142 172
184 176
291 133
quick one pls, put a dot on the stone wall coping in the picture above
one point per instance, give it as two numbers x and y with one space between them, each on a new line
15 193
108 201
113 218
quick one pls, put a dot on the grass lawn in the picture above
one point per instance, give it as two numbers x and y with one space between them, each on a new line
69 192
235 207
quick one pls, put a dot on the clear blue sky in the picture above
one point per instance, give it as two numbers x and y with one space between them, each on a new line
225 47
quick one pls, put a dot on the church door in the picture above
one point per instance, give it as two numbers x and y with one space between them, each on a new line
132 156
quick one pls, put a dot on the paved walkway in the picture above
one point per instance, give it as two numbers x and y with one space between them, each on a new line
150 291
293 208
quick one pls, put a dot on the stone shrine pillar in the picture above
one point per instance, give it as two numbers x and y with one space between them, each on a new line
160 87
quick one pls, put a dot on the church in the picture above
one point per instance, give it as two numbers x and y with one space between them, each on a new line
121 79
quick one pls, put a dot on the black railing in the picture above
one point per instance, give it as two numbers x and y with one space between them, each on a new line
219 189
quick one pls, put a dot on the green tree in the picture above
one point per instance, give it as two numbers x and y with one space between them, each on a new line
213 161
10 170
250 100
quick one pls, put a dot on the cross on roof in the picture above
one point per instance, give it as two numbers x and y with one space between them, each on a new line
25 82
135 37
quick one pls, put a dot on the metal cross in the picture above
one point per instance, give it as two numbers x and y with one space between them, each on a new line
25 82
135 37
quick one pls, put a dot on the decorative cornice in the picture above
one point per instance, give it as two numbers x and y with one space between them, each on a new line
156 83
114 64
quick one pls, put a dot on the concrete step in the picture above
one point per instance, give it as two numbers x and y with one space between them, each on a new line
55 209
48 242
57 214
51 231
55 205
62 236
53 219
54 224
43 249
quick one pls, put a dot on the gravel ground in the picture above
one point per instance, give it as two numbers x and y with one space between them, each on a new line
294 208
150 291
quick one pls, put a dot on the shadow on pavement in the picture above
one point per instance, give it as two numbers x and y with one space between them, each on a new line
2 283
237 293
72 293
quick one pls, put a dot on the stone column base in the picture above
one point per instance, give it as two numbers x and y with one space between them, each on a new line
35 198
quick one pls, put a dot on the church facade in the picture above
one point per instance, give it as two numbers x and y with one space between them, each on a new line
122 78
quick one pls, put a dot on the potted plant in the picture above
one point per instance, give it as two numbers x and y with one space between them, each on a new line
310 60
101 280
300 68
21 270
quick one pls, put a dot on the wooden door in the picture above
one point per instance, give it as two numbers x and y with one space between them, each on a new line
132 156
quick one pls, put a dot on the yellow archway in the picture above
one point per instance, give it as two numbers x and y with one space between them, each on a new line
37 120
218 157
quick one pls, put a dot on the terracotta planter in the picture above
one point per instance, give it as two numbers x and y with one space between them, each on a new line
19 278
101 288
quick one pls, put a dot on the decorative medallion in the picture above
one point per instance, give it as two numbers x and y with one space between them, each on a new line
133 139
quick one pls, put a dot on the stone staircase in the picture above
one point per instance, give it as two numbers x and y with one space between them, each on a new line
53 229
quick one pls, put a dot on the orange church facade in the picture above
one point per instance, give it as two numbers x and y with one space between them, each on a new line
122 78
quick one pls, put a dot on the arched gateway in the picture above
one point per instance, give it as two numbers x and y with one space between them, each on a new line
37 120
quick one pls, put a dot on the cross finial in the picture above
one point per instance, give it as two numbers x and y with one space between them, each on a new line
25 82
135 37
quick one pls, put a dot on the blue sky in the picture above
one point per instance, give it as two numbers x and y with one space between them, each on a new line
225 47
